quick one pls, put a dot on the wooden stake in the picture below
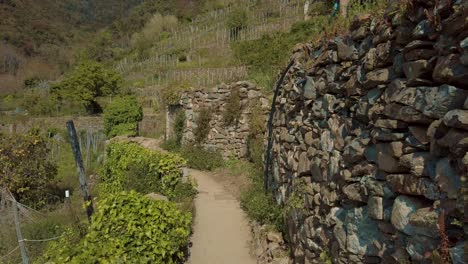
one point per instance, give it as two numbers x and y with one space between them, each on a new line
81 171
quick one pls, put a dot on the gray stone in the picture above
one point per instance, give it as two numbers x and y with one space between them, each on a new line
383 134
394 88
457 253
360 33
354 152
316 171
355 192
418 246
361 232
457 118
420 164
403 207
425 221
413 185
373 95
418 44
420 54
447 178
450 70
378 77
433 102
346 52
310 92
453 140
386 160
406 113
420 133
304 165
390 124
423 29
375 204
417 69
309 138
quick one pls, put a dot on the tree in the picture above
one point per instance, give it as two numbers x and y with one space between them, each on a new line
24 167
121 117
86 82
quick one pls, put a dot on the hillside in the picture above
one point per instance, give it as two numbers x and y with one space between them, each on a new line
39 39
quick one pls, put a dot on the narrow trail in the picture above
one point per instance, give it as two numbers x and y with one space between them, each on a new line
221 230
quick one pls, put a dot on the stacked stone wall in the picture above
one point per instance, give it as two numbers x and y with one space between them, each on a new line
229 139
371 136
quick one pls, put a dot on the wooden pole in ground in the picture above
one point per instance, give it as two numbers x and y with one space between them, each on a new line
81 171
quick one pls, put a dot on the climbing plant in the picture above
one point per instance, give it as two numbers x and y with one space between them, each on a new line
232 111
203 124
130 166
127 228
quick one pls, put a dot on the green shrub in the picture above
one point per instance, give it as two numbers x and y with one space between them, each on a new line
129 166
203 124
121 117
201 159
260 205
232 111
25 169
171 144
86 82
128 228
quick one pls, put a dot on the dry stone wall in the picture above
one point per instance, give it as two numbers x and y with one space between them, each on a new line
370 140
230 139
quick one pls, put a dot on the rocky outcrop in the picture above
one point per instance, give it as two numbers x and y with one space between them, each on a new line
371 131
229 139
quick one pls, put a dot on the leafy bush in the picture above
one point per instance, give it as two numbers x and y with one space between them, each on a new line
128 228
171 93
130 166
261 206
157 28
237 21
25 169
203 124
121 117
232 111
201 159
86 82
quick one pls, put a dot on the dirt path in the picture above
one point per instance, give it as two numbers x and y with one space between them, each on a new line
221 231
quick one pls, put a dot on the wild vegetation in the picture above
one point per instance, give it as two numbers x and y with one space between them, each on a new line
127 227
121 117
27 181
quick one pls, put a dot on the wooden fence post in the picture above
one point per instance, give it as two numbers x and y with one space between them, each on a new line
81 171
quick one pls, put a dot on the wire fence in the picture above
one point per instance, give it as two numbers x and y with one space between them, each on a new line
14 246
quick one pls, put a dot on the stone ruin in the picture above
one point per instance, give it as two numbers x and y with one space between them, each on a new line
230 140
371 134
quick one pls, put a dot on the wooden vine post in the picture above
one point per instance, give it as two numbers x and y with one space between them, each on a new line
81 171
